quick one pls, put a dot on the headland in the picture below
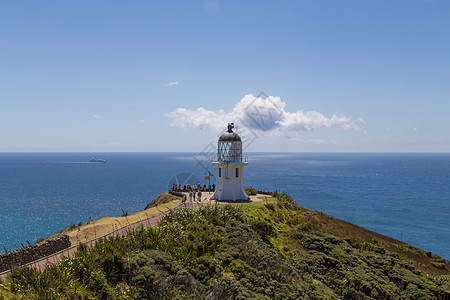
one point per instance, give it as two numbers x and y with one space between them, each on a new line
269 248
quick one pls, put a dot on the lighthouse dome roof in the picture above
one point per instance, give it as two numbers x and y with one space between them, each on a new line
230 137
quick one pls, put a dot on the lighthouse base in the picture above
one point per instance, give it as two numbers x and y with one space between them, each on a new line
229 185
229 192
233 201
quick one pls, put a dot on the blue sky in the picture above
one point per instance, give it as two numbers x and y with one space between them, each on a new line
164 75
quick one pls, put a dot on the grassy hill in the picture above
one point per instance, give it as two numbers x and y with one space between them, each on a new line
271 249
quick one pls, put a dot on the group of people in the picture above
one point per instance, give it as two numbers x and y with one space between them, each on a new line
194 191
193 194
194 187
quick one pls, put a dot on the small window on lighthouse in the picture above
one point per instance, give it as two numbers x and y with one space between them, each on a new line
220 172
237 172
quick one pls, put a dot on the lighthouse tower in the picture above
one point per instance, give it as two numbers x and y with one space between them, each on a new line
230 164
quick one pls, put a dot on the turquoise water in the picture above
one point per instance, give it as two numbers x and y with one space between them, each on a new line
405 196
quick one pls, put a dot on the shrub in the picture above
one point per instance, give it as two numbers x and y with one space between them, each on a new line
270 206
250 191
263 229
285 201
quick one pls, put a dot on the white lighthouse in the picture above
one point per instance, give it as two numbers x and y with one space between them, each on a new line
230 164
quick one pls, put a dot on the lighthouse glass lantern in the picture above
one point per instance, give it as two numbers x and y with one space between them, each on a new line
229 164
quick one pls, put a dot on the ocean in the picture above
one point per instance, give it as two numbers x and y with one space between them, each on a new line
405 196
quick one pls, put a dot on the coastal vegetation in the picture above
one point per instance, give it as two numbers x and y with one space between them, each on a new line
272 249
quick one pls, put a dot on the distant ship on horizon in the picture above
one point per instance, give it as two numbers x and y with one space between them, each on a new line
96 160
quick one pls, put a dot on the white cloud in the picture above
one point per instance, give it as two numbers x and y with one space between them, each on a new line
172 83
142 121
262 114
97 117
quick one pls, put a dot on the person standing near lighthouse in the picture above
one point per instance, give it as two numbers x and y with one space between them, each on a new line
229 164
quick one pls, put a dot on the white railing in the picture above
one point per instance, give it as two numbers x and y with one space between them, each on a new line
229 158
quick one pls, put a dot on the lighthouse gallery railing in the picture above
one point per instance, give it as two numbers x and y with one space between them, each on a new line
229 158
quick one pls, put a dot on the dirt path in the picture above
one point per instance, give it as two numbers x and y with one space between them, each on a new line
42 263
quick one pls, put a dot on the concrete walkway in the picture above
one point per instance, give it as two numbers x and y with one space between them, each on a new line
205 199
42 263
